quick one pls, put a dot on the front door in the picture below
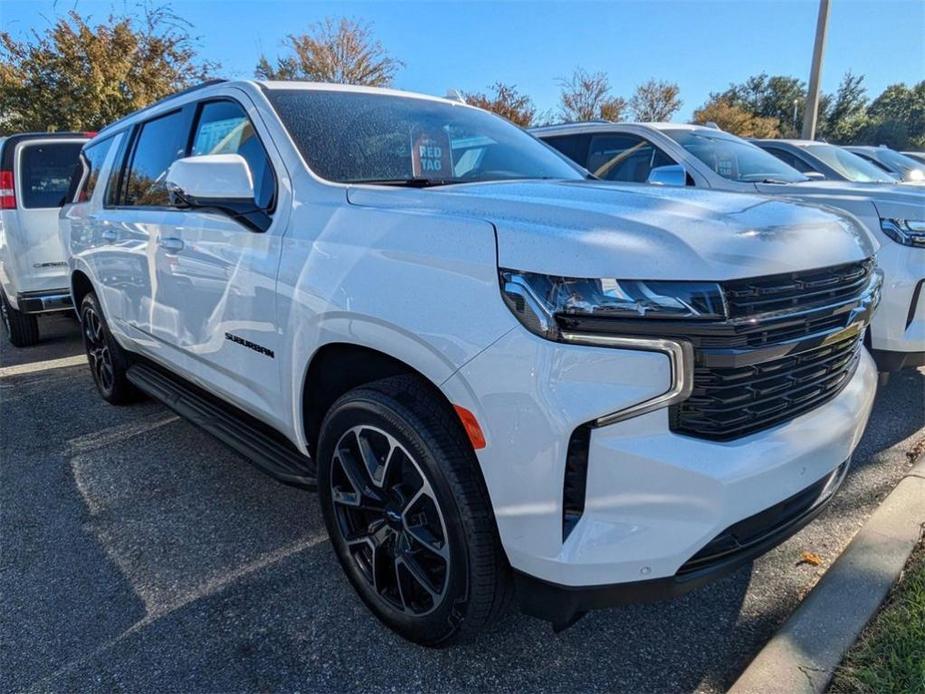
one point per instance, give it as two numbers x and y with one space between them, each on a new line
214 298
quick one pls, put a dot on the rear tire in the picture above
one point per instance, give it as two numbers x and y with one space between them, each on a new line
108 361
22 329
408 513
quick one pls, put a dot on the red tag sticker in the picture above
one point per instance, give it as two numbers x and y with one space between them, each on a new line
431 154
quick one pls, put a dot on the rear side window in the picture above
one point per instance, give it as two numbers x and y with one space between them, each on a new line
87 174
575 147
224 128
627 158
45 173
790 159
160 142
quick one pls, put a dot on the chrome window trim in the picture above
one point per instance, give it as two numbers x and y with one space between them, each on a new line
680 356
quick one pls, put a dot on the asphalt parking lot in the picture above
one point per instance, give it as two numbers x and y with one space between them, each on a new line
139 554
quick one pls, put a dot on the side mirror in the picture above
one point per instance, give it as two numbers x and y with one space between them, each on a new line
671 175
220 182
210 177
814 175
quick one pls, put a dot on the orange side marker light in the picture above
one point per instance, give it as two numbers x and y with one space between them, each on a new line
471 425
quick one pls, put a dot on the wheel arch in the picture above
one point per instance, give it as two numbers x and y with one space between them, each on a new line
81 285
337 367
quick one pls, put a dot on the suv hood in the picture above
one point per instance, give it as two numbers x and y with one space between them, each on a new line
896 201
593 229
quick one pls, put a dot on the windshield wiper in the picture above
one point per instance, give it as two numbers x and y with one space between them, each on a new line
413 182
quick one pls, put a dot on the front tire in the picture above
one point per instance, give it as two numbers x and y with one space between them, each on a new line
408 513
108 361
22 329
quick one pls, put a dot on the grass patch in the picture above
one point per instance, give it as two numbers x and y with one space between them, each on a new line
890 655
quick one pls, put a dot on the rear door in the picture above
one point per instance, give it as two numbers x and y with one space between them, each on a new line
136 217
42 171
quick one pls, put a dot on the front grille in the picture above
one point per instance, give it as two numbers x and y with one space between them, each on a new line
732 402
797 290
785 350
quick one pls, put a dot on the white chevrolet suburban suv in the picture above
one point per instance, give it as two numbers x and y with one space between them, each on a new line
35 173
702 157
506 380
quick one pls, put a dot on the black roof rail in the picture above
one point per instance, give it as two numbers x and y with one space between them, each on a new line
195 87
593 121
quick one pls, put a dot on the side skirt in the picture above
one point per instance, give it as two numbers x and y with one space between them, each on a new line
260 444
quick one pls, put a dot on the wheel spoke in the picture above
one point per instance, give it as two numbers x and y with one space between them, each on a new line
364 496
375 463
418 575
421 533
375 542
401 591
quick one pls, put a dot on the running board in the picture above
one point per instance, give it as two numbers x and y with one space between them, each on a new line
265 448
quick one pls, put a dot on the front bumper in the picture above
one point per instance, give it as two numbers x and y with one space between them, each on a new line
654 498
897 331
44 301
734 547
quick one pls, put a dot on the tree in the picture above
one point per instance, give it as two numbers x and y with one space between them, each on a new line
736 119
506 101
847 115
586 96
655 101
80 77
343 52
897 117
771 96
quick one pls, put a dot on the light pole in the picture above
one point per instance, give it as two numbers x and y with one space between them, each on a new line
795 102
812 96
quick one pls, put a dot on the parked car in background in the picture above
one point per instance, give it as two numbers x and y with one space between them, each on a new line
918 156
35 173
676 154
905 168
829 162
499 373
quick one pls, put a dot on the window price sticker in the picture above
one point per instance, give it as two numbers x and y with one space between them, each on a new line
431 154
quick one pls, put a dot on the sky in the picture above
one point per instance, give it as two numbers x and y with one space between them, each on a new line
700 45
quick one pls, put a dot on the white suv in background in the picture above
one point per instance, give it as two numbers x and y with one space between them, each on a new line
678 155
35 173
503 378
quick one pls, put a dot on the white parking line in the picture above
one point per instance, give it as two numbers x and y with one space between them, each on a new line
37 366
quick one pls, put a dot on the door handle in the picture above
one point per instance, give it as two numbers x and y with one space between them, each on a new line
109 235
171 244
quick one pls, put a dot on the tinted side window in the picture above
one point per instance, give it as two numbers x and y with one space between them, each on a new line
87 174
790 159
160 142
627 158
45 173
224 128
575 147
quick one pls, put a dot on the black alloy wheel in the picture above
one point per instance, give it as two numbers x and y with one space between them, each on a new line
390 520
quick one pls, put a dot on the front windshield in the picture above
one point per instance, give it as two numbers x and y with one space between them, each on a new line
355 137
734 158
849 164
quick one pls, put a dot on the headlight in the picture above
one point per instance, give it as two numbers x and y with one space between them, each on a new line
541 301
908 232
